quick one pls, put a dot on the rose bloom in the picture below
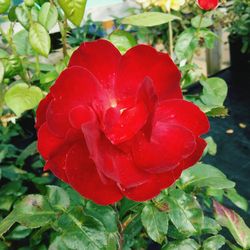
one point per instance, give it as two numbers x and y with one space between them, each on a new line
116 125
208 4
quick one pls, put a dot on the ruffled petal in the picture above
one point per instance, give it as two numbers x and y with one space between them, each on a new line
75 86
153 187
83 177
193 158
167 147
141 61
80 115
56 164
182 113
101 58
47 142
110 161
121 123
41 111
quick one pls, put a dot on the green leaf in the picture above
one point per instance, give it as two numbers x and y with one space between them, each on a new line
210 226
185 212
237 199
186 44
4 5
21 97
105 214
209 37
201 22
132 231
22 16
217 112
188 244
1 71
127 205
149 19
30 150
80 231
58 197
234 223
214 91
32 211
34 13
48 16
3 245
73 9
155 223
204 175
211 146
48 77
3 54
19 232
21 42
39 39
123 40
217 193
214 242
12 14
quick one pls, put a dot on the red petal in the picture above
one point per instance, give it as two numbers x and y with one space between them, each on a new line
100 57
75 86
122 123
47 142
80 115
153 187
110 161
83 177
182 113
57 149
208 4
141 61
195 157
41 111
56 164
167 147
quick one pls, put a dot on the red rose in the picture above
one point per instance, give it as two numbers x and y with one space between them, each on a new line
208 4
115 126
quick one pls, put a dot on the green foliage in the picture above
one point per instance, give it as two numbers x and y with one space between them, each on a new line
149 19
39 39
73 9
21 42
203 175
22 16
185 212
239 25
186 44
234 223
4 6
155 222
32 211
188 244
48 16
122 40
201 22
214 242
21 97
237 199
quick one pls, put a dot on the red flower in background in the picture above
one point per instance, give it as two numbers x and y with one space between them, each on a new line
208 4
115 126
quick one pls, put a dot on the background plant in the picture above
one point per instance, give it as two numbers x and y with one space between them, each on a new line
239 23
